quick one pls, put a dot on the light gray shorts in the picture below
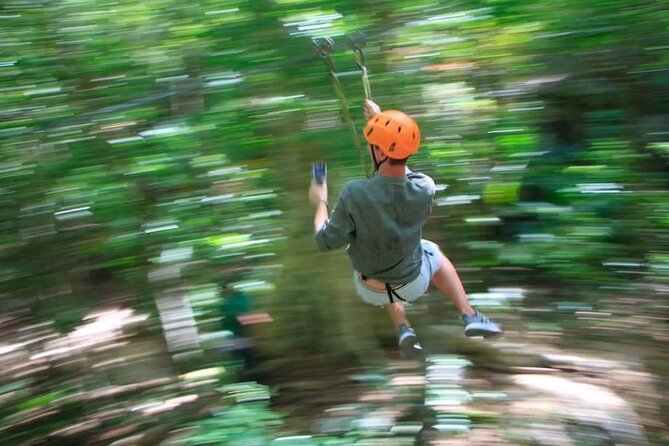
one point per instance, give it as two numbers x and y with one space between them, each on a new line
409 291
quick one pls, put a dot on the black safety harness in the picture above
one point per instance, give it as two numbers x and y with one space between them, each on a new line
392 293
389 289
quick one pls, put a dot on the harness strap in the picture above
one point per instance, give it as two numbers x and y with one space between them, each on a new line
389 289
392 293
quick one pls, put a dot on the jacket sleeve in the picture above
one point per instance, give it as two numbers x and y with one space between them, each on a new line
425 183
337 230
422 181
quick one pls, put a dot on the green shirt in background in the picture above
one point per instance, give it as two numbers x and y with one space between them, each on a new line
381 219
236 304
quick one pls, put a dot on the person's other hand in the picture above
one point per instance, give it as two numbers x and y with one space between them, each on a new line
370 108
318 192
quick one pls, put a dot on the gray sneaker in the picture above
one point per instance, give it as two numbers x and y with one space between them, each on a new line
479 325
408 342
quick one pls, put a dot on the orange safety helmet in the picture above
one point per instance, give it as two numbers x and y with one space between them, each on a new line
396 134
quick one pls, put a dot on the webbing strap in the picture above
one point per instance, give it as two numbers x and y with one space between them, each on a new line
389 289
392 293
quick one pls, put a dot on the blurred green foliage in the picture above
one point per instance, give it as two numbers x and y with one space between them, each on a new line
157 147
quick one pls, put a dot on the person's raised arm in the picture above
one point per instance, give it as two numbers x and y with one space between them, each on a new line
370 108
318 197
335 230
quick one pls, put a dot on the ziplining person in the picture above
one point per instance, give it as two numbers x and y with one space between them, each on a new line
381 220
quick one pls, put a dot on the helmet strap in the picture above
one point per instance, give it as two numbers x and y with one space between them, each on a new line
377 163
